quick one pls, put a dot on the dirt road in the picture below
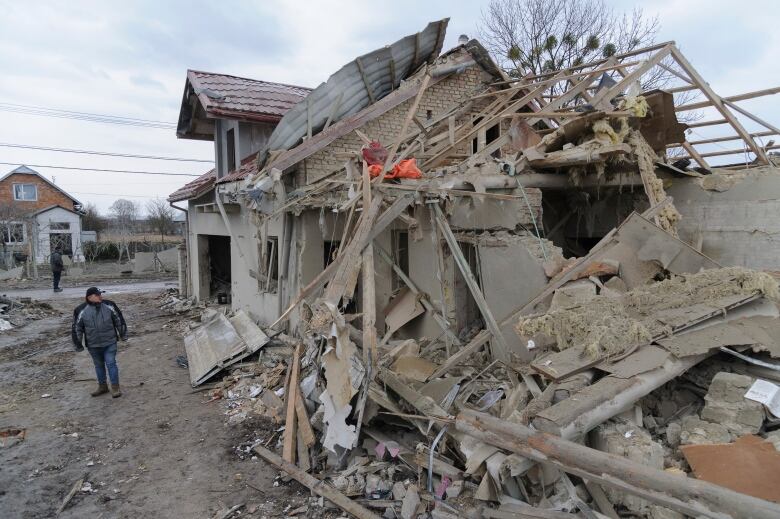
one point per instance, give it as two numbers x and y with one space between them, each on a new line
158 451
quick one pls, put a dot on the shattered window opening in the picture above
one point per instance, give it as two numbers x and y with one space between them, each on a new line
271 269
13 233
59 226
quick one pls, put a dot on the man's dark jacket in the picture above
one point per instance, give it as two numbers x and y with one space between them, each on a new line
56 262
99 325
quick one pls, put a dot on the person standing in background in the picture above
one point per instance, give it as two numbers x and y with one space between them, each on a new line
57 267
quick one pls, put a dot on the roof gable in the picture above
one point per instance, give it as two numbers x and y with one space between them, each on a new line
24 170
208 95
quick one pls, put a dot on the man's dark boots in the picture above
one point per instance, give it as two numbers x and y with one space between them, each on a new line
115 391
102 389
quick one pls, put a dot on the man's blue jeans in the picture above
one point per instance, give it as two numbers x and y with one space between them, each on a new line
105 358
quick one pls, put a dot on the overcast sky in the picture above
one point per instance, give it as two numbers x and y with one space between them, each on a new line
130 58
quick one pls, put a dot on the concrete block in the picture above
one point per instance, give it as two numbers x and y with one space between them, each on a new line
659 512
726 405
696 431
633 443
169 258
144 262
617 284
573 293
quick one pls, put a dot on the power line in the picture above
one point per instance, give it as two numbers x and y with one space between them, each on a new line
131 172
85 116
102 153
121 196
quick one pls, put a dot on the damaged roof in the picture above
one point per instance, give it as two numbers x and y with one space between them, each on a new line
208 180
358 84
212 96
248 166
195 188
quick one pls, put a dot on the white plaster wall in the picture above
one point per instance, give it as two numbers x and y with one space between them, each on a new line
739 226
58 214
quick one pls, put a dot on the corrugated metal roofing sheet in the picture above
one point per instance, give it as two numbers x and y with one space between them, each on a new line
248 99
382 70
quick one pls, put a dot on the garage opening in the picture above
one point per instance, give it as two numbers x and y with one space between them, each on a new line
214 265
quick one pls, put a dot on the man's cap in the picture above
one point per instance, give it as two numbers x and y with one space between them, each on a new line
92 291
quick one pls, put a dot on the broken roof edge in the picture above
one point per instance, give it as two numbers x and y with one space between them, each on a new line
478 56
358 84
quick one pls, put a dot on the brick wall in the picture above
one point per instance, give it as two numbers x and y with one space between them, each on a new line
438 98
47 195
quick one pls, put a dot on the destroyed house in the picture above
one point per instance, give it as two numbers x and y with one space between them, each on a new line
435 256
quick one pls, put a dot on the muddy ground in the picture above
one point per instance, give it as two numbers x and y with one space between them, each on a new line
158 451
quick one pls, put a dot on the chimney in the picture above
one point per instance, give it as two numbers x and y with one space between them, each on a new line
463 39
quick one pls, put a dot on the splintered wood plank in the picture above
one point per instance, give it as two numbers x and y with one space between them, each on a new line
290 433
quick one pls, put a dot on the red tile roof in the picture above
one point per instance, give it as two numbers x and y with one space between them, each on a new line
205 182
194 188
245 99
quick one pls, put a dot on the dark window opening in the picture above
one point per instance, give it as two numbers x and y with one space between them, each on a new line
215 266
330 250
62 240
429 114
467 314
231 150
400 257
59 226
270 278
13 233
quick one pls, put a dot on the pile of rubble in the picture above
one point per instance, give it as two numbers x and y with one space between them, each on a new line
16 312
613 389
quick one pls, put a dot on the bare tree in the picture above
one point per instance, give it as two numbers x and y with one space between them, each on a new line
125 214
14 228
536 36
91 220
160 216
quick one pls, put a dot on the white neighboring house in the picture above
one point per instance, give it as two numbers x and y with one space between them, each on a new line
36 215
58 225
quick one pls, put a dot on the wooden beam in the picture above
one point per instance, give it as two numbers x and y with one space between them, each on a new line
677 73
607 94
719 105
723 139
732 99
735 151
317 486
629 54
363 75
695 154
755 118
686 495
290 424
714 122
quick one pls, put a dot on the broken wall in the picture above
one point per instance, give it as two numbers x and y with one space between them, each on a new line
246 293
732 216
437 99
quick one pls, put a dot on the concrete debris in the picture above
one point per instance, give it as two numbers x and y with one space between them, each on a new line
535 338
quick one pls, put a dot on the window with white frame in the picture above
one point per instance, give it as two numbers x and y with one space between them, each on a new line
13 233
26 192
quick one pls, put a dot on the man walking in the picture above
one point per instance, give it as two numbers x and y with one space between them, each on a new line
57 267
99 323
